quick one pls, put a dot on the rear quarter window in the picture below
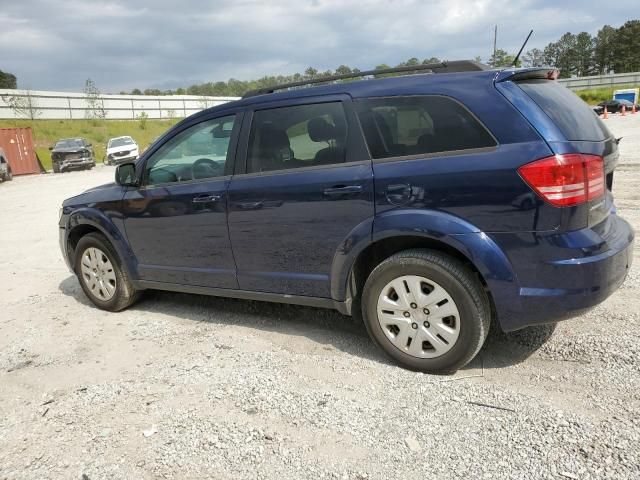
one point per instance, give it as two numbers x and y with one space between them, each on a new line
415 125
575 119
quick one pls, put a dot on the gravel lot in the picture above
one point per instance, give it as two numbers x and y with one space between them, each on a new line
182 386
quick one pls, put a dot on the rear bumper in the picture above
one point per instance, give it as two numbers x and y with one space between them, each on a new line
560 276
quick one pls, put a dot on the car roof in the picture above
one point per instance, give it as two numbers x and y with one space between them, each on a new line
121 136
405 84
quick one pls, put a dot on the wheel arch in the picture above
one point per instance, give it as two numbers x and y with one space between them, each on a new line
439 231
84 221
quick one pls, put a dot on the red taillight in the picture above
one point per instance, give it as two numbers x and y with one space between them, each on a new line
566 180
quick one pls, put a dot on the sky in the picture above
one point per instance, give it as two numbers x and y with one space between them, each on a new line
121 45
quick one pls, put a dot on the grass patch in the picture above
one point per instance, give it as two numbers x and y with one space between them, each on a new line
594 96
47 132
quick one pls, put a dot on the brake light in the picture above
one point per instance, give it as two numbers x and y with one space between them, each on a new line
566 180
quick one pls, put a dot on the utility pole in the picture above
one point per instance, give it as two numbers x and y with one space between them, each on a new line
495 38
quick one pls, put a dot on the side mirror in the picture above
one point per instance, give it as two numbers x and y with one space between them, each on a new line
50 148
89 145
126 175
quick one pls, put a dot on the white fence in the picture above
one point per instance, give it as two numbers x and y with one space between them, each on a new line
582 83
65 105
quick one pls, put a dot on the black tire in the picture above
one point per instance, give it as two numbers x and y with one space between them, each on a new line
125 294
460 283
56 168
8 176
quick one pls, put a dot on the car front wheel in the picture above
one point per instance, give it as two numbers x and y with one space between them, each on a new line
101 275
426 310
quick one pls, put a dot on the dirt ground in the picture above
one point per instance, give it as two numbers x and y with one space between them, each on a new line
182 386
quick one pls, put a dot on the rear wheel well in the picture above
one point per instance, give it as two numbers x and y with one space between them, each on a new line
379 251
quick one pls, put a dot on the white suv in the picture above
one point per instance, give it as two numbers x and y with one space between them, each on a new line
120 150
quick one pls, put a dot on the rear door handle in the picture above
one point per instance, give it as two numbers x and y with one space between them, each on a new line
206 198
339 190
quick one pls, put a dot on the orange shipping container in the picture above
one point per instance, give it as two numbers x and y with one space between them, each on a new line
17 144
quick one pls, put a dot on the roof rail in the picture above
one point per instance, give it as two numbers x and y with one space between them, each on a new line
442 67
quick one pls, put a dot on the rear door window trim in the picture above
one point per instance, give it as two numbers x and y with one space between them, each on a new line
356 154
444 153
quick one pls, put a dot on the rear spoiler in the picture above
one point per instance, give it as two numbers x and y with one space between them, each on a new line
538 73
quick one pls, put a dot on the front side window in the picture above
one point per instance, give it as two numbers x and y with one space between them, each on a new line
199 152
401 126
298 136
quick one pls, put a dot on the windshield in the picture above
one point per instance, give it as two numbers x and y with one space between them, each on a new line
69 143
120 142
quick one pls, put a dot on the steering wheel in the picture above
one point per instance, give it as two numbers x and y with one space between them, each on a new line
206 168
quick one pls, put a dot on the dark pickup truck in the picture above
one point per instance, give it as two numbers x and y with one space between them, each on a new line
71 154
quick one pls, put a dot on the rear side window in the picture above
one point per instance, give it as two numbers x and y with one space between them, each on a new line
569 112
296 137
401 126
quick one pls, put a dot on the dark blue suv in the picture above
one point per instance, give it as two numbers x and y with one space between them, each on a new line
426 204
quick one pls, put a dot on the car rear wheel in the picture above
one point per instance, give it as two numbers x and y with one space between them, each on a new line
7 176
426 310
101 275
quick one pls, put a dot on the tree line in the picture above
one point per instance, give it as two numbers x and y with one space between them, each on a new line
609 50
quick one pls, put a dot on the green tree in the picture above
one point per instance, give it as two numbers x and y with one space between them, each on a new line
382 66
310 73
8 80
604 43
626 50
502 59
583 54
562 55
136 91
142 120
533 58
95 106
343 70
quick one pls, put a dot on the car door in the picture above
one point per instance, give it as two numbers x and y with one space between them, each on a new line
304 183
176 221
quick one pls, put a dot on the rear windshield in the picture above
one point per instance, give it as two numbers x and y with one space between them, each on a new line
575 119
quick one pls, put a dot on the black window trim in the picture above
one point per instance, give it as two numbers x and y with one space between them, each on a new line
231 152
356 153
445 153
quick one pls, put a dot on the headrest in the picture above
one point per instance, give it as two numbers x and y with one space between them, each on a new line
320 130
273 137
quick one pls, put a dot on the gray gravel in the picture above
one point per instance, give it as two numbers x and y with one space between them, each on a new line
182 386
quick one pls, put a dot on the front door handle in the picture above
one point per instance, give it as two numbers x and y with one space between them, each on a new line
206 198
340 190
